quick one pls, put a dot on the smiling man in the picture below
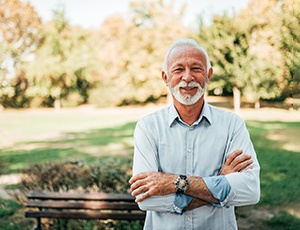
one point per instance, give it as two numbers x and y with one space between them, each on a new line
193 163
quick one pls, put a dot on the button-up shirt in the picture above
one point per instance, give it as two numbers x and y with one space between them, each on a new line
164 143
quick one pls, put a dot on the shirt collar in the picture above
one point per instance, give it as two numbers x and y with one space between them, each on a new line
206 113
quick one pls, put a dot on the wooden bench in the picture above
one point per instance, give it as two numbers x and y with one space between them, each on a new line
99 206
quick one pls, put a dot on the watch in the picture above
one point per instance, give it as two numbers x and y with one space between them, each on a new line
181 184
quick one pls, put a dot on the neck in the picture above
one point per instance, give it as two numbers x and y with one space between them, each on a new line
189 113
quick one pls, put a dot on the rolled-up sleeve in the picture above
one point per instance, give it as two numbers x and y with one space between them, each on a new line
219 188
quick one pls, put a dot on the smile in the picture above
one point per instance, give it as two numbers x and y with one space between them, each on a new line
188 88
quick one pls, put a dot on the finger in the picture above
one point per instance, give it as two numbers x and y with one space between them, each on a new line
239 160
233 156
138 183
142 189
142 197
248 167
242 165
138 177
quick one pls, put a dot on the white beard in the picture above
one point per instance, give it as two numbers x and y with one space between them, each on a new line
187 99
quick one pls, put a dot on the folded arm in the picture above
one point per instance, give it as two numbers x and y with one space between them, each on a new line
150 184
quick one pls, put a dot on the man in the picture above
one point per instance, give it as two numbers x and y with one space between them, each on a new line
193 163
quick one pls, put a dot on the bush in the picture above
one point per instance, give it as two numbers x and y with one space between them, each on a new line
108 175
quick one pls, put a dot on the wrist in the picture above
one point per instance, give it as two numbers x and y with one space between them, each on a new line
181 184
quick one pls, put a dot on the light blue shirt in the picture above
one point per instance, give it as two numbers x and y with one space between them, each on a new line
164 143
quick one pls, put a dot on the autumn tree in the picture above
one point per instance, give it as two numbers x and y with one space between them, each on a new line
20 28
131 52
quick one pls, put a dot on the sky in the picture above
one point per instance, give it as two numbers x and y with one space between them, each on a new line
91 13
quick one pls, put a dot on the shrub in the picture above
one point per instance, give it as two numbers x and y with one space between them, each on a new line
108 175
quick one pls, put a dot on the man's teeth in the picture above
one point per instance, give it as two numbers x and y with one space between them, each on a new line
188 88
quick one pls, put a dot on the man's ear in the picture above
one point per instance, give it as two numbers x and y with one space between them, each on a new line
164 76
210 74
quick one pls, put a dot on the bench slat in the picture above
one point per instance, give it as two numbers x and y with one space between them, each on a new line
93 205
85 215
83 196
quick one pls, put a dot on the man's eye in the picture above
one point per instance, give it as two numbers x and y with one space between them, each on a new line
177 70
197 69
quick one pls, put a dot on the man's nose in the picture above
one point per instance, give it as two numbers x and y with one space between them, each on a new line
187 76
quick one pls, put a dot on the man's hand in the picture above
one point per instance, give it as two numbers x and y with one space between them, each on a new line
159 184
152 184
236 163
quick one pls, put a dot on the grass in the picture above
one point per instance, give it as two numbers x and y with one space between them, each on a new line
279 160
52 136
49 136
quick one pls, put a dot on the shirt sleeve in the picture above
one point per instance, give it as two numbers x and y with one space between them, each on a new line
219 188
245 186
146 160
181 201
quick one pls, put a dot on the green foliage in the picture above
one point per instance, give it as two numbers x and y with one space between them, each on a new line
8 207
65 51
290 44
243 52
11 218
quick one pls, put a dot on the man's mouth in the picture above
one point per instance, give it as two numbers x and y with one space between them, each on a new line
188 88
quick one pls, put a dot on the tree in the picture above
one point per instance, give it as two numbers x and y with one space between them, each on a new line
131 52
243 52
261 20
290 44
20 28
61 65
228 48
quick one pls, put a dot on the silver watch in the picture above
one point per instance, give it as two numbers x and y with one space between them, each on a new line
181 184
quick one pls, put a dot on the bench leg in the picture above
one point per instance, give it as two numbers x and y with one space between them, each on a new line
129 225
38 224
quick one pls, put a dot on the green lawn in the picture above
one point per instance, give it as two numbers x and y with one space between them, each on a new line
29 137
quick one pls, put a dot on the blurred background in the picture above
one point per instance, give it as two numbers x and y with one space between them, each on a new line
75 76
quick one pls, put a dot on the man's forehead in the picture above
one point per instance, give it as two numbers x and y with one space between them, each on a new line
186 51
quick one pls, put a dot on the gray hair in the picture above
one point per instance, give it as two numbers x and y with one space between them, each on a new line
183 42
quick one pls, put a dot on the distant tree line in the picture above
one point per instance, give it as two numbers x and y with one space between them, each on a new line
255 54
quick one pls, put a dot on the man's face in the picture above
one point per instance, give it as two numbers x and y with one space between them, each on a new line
187 74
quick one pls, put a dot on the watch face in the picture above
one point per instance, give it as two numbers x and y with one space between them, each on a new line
181 183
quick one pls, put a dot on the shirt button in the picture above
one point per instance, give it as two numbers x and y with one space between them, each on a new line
188 218
189 150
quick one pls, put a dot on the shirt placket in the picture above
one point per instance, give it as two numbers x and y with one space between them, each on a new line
189 171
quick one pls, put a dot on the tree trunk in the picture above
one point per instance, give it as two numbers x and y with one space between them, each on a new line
257 104
57 104
236 99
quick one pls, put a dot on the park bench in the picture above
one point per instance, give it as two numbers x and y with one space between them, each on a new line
100 206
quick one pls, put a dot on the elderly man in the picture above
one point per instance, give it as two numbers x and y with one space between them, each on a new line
193 163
